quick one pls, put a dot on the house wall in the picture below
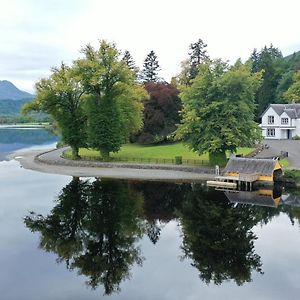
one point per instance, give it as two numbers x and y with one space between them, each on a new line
270 112
297 124
281 130
265 125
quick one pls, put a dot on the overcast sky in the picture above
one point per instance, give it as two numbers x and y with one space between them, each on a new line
36 35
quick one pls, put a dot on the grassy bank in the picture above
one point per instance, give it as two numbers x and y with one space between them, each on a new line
133 152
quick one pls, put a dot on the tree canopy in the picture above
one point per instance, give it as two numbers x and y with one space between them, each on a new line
61 95
292 95
161 113
114 107
270 61
218 109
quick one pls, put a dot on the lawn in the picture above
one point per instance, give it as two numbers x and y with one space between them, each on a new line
168 151
284 162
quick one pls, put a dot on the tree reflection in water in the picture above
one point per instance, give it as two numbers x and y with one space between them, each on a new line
217 237
94 228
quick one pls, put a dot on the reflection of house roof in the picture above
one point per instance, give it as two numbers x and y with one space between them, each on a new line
292 110
253 198
250 166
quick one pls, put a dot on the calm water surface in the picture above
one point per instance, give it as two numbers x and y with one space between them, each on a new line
82 238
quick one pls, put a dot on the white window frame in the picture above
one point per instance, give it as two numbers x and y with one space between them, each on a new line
270 119
271 132
284 121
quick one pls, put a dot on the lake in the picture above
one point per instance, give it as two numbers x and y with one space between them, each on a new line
87 238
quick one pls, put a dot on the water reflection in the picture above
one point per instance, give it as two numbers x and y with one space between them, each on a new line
217 236
96 225
94 228
12 139
273 197
160 201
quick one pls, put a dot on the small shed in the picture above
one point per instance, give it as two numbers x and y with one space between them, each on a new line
261 169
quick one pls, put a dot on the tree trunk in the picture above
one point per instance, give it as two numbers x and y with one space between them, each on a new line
75 152
104 154
218 158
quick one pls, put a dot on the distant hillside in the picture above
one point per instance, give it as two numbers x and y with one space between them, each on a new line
295 55
9 91
293 61
11 107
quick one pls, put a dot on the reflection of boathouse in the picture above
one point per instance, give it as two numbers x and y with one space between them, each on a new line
261 197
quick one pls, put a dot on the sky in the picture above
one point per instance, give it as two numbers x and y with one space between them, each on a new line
37 35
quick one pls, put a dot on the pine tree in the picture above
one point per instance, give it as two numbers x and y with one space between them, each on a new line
198 55
128 60
150 69
189 67
270 60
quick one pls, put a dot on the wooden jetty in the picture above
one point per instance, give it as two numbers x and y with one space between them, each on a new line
222 184
241 173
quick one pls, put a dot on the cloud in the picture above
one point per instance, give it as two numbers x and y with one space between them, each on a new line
36 35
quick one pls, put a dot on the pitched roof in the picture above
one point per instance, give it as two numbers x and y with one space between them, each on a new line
292 113
250 166
292 110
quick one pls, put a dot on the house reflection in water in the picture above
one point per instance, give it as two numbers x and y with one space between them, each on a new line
264 197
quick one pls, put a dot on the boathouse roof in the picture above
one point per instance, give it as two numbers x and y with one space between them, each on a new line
243 165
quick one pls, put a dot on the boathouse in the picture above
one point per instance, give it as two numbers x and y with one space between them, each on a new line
254 169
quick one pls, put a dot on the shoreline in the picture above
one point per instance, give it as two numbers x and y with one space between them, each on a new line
51 162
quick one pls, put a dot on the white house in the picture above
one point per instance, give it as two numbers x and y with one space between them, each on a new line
281 121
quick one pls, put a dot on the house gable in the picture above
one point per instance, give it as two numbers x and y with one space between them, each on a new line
270 112
285 119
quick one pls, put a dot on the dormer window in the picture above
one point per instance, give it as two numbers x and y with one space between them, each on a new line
284 121
270 119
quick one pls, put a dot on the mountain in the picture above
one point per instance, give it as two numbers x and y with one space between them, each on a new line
8 91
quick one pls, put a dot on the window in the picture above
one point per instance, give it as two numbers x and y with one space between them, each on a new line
284 120
270 119
271 132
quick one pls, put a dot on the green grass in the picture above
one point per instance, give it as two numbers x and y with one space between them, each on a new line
284 162
168 151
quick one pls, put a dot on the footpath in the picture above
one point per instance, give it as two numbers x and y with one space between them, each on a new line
52 162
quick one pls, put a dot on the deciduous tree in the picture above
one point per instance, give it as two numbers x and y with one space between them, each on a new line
61 95
161 113
218 110
292 95
114 105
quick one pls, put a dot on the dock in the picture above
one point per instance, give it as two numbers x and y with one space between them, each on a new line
242 181
221 184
